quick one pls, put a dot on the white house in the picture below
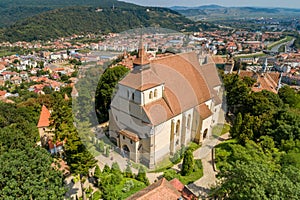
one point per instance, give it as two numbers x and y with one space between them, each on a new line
164 104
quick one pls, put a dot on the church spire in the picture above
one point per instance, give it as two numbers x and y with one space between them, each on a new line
141 58
265 66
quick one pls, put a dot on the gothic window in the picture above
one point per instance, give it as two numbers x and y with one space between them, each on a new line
188 124
150 95
155 93
177 127
132 96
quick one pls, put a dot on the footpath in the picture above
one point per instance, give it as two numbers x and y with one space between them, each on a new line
202 186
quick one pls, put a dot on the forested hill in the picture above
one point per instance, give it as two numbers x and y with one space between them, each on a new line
14 10
113 16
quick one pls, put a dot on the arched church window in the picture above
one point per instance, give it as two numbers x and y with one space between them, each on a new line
188 124
150 95
177 127
155 93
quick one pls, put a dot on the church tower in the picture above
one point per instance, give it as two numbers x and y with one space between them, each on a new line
141 61
265 66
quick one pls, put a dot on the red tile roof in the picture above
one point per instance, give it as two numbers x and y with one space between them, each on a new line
204 111
160 190
44 118
142 58
2 92
130 135
185 192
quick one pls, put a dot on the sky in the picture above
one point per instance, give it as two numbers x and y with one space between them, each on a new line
236 3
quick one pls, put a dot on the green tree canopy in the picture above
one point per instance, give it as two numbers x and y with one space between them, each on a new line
188 163
105 89
27 174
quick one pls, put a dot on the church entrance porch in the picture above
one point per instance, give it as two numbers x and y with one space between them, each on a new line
125 151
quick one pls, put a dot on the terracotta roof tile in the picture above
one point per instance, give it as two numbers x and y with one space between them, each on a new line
142 58
204 111
268 81
2 92
130 135
184 84
160 190
210 73
44 118
158 111
185 192
141 80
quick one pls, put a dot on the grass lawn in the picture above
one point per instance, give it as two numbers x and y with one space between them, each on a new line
137 186
251 55
166 163
286 39
163 165
220 129
6 53
195 175
93 151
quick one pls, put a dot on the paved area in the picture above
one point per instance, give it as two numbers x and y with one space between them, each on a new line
201 187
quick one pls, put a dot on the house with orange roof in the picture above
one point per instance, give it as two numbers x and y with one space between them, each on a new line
164 190
43 126
163 104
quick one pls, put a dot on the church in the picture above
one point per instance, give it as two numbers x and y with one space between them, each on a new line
163 104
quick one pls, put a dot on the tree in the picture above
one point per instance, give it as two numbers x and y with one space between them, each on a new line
107 152
27 174
289 96
128 172
259 181
106 169
97 173
188 163
101 146
236 92
235 129
141 176
105 89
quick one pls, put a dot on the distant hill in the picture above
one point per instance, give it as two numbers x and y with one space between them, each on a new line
215 12
212 6
14 10
85 19
29 20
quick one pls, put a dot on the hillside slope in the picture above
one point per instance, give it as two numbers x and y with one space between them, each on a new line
14 10
214 12
76 20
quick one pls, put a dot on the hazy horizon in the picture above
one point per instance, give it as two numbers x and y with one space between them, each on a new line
226 3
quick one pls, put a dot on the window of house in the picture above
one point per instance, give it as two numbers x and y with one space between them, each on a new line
130 141
132 96
150 95
128 94
155 93
123 137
